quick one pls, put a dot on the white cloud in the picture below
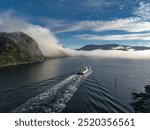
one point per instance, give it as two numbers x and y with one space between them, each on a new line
98 3
122 47
51 47
133 24
131 54
145 36
128 25
47 42
143 11
138 24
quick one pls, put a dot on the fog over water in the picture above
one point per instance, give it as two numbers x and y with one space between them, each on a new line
50 45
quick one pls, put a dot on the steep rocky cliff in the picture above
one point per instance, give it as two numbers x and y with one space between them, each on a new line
18 48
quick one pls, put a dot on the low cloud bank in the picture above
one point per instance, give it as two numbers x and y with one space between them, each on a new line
130 54
47 42
50 45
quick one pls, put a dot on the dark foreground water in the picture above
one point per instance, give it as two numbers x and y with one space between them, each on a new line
53 86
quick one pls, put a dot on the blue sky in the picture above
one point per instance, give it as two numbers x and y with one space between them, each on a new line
80 22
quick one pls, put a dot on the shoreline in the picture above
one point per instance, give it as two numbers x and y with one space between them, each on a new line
26 63
23 63
12 65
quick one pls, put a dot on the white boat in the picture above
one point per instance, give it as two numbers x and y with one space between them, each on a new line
84 70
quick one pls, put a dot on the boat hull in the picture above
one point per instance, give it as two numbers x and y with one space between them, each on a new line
80 74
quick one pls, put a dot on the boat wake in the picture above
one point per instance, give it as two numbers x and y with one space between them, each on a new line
95 97
92 96
55 98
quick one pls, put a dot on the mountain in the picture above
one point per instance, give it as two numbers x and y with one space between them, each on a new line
112 47
18 48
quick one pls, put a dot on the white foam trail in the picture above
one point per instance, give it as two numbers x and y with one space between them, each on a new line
54 99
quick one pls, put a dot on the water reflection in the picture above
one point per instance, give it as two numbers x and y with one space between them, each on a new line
130 75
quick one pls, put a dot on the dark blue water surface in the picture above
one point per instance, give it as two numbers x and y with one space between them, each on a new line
53 86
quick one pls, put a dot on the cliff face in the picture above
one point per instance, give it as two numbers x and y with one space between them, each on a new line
18 48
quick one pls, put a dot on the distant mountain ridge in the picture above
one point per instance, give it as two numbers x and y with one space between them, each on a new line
112 47
18 48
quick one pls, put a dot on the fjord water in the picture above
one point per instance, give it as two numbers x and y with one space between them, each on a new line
53 86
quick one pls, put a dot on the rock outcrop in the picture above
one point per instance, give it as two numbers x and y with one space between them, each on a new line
18 48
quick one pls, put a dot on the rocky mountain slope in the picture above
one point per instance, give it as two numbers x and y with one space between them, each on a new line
18 48
112 47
